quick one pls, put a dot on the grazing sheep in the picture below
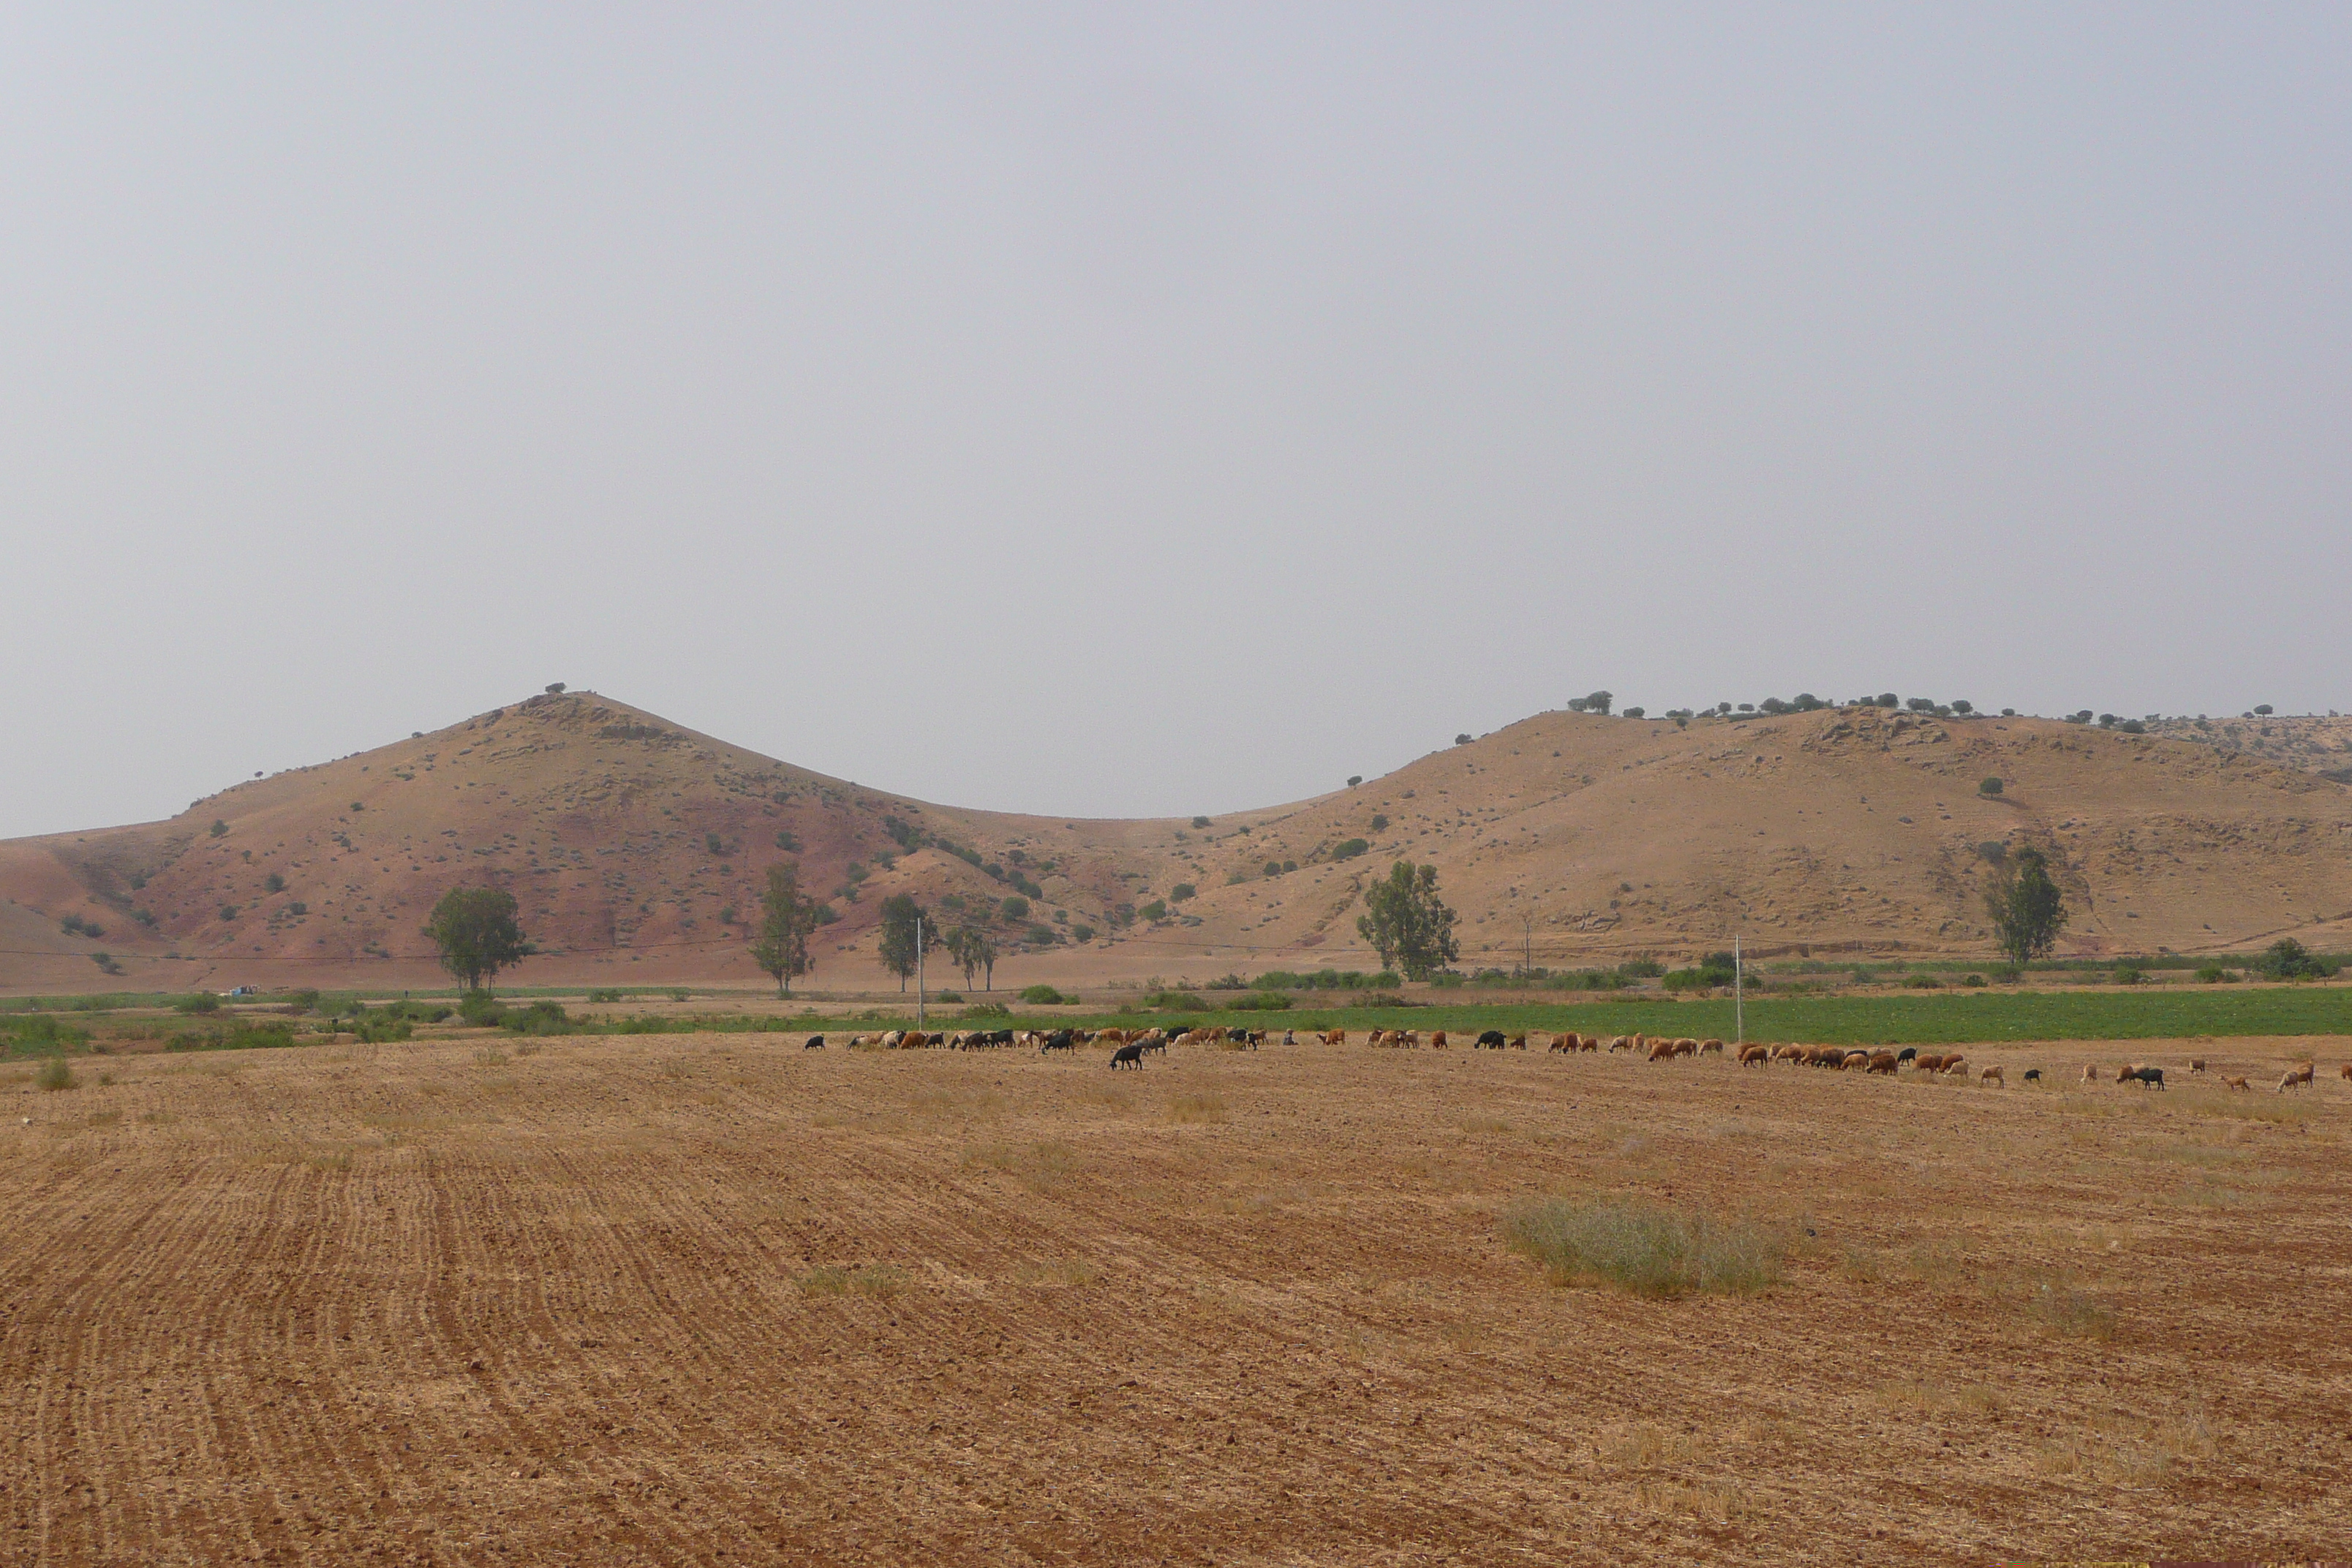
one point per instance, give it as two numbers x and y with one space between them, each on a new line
1661 1050
1883 1061
1956 1067
1618 1043
1710 1048
2089 1073
2348 1072
1757 1055
1059 1041
1488 1040
1437 1039
1992 1075
2236 1084
814 1042
1853 1060
2033 1075
2196 1064
1335 1036
1127 1056
2151 1076
1908 1053
1564 1042
1518 1042
2299 1077
1928 1063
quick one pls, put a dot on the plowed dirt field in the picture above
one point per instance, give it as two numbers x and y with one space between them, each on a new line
694 1299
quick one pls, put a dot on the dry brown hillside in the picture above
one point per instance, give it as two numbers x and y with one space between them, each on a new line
628 841
2321 743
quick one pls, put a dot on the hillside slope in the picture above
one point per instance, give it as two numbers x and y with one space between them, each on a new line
630 841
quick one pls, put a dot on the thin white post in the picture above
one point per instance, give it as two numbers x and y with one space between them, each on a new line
919 971
1738 995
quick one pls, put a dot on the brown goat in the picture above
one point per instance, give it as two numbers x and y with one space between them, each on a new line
2299 1077
1992 1075
2238 1084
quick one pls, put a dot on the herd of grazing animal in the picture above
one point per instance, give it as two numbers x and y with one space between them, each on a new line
1131 1046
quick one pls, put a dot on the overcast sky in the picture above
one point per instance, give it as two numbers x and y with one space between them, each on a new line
1117 410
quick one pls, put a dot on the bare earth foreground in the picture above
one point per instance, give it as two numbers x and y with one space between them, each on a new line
679 1299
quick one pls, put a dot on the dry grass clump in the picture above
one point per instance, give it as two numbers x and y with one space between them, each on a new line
1036 1165
1057 1274
1196 1108
2120 1449
490 1056
1471 1126
1930 1398
53 1074
1644 1443
2062 1309
831 1279
1644 1248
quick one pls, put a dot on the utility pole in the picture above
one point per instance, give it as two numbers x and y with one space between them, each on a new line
1526 940
919 971
1738 995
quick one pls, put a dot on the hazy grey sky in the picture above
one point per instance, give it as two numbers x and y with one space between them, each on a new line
1118 409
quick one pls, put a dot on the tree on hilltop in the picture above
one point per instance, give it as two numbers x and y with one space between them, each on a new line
477 935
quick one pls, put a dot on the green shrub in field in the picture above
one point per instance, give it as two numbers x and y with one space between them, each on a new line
197 1002
1974 981
2129 974
481 1007
541 1017
605 995
980 1010
1260 1002
2214 974
2287 959
235 1037
1642 968
1041 995
42 1033
53 1074
1644 1248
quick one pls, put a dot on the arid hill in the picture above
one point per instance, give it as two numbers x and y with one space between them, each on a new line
636 849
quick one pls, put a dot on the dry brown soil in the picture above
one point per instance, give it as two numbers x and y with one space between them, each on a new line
667 1300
